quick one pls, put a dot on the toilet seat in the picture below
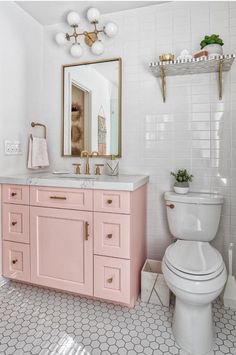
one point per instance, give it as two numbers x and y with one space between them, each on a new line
194 277
192 260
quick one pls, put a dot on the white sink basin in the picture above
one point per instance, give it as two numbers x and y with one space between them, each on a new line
75 176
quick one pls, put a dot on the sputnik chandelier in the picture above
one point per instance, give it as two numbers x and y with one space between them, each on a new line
92 38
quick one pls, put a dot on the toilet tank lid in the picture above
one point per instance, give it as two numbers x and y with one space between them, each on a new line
195 197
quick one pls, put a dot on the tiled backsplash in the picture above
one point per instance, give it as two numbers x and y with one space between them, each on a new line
193 129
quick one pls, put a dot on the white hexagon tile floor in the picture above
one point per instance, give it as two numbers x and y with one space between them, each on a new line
40 321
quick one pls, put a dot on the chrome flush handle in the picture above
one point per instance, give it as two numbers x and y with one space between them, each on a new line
171 206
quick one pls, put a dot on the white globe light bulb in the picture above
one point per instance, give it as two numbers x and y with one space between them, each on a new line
93 15
61 38
76 50
73 18
97 48
111 29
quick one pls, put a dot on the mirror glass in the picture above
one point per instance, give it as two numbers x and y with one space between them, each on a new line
92 108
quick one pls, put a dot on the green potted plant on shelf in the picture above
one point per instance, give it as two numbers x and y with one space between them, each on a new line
213 45
182 179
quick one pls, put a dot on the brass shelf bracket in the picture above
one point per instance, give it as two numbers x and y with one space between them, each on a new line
220 80
163 83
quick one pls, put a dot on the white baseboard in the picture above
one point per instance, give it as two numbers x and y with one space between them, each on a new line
3 281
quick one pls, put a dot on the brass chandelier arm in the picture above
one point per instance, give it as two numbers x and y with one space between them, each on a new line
90 37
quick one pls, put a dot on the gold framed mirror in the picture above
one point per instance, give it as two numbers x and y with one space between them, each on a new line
91 110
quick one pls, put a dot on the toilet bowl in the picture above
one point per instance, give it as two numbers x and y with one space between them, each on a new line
193 269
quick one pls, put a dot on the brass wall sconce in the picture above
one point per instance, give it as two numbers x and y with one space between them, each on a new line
91 38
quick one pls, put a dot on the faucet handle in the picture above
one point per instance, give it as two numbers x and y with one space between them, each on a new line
97 169
94 154
84 153
77 170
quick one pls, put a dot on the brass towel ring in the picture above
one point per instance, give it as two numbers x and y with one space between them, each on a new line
36 124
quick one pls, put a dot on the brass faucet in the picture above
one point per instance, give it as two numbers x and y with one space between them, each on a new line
85 153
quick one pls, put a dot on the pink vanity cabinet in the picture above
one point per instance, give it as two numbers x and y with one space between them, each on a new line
90 242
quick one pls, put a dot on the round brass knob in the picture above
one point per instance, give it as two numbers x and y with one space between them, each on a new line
109 236
110 280
13 194
109 202
13 223
14 261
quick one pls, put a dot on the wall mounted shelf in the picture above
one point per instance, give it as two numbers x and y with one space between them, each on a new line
192 66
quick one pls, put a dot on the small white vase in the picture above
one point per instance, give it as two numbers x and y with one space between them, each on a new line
181 190
214 50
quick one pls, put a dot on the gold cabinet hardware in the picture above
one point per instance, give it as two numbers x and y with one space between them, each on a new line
171 206
77 170
110 280
58 197
109 202
14 261
109 236
13 223
86 231
13 194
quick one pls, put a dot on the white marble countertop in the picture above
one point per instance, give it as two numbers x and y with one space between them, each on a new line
102 182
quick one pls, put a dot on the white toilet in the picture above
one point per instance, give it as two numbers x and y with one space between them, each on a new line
194 270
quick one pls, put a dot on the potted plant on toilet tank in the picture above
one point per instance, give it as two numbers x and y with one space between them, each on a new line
182 179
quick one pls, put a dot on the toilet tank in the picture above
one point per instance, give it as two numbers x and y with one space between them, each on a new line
194 216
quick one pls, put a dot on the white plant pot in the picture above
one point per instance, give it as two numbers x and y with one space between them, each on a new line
214 50
181 190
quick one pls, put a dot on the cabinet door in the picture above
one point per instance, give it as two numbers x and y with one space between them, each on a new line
61 249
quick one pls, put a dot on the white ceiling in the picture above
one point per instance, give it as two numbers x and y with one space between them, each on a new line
52 12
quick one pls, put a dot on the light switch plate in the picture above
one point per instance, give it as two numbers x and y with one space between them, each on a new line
13 148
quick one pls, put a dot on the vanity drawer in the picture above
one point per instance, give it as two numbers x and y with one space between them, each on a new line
112 235
77 199
112 201
16 261
15 194
112 279
16 223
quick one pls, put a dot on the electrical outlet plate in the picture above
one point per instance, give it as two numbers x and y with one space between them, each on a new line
13 148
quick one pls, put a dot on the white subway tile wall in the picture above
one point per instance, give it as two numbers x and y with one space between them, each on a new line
192 130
